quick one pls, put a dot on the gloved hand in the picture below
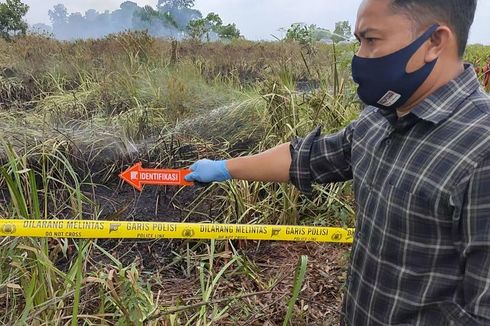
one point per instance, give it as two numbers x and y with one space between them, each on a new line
206 171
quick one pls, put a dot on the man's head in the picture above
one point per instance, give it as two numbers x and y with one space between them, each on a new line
386 26
457 14
412 17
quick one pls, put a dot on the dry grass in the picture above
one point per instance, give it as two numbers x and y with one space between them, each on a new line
73 115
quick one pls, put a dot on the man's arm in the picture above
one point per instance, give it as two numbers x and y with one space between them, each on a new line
272 165
303 161
475 227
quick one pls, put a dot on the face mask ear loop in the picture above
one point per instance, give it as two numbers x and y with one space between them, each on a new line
427 35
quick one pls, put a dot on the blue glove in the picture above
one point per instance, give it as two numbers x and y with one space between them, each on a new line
206 171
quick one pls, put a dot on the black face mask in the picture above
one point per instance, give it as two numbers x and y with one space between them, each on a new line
384 83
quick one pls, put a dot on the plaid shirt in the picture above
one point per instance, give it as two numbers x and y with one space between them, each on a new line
421 253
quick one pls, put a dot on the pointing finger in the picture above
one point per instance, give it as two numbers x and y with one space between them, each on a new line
191 177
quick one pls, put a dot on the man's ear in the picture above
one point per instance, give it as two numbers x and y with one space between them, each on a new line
440 41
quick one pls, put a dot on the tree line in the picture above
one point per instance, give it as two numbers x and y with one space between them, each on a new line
170 19
175 19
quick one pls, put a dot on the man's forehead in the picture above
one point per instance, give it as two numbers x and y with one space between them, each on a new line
378 16
375 7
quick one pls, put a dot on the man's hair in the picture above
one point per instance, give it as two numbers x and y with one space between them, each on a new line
457 14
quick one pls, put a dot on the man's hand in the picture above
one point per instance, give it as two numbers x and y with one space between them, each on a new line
206 171
270 166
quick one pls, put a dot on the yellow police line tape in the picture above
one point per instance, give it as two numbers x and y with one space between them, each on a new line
88 229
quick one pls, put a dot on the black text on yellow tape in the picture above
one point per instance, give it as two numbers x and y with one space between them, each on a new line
163 230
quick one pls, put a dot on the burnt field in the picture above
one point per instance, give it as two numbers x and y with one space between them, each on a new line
76 114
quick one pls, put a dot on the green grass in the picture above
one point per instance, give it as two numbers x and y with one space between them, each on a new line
73 115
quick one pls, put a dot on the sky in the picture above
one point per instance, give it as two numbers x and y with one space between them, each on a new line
258 19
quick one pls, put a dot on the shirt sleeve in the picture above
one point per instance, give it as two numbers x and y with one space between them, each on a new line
475 236
321 159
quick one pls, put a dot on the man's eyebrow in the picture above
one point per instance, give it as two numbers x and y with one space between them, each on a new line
362 34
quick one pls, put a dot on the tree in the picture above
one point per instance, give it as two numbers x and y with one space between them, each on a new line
154 21
301 33
11 14
342 32
129 5
229 32
59 14
214 20
122 19
197 28
59 19
306 35
178 4
181 14
211 24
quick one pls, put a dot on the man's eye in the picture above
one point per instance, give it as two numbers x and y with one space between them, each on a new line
366 40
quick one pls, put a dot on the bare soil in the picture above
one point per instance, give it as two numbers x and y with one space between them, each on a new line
321 296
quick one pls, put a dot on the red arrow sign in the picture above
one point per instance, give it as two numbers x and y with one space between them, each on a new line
137 177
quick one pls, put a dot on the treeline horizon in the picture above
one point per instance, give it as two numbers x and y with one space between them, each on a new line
176 19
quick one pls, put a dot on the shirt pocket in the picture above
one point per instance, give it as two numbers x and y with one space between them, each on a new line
422 217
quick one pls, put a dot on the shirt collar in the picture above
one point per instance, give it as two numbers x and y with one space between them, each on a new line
441 104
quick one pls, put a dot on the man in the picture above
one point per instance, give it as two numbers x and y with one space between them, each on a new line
486 74
419 157
485 71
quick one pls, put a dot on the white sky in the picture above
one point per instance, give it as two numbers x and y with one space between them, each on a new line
258 19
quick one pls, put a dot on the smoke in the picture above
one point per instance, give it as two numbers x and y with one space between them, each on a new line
169 19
